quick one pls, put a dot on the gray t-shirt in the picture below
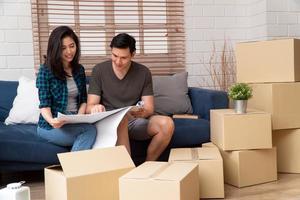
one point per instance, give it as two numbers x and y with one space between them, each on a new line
116 93
72 95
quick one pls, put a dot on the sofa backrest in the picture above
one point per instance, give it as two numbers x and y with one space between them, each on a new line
8 92
203 100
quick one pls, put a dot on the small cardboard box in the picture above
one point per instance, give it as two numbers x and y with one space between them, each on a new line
210 164
232 131
288 148
279 99
161 181
268 61
89 174
249 167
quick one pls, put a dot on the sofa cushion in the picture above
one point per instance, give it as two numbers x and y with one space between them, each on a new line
25 108
171 94
21 143
190 132
8 93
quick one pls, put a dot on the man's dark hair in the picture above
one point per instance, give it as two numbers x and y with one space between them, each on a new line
123 41
53 59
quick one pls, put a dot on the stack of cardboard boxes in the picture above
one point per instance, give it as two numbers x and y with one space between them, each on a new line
245 142
273 68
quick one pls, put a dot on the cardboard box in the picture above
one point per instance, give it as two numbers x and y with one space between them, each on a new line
249 167
288 148
268 61
161 181
90 174
279 99
232 131
210 165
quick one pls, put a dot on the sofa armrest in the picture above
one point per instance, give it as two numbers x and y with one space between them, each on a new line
205 99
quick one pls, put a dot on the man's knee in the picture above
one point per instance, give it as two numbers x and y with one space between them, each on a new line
163 124
168 125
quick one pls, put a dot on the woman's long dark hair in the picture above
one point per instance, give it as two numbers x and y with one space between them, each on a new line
53 59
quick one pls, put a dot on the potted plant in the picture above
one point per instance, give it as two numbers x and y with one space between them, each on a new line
240 93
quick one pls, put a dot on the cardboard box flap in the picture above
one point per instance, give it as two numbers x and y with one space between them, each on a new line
176 171
161 171
146 170
94 161
188 154
180 154
209 154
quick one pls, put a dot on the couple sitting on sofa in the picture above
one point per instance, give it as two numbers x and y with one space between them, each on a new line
61 84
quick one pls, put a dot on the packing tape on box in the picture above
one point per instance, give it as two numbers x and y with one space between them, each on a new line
194 153
160 170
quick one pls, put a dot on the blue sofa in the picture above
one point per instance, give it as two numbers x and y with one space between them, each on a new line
22 150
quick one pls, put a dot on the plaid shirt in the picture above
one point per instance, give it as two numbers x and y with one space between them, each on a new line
53 92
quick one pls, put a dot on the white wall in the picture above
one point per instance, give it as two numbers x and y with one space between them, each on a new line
283 18
207 22
16 47
210 22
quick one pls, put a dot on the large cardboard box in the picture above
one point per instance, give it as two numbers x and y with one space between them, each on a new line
90 174
288 150
210 165
161 181
268 61
248 167
232 131
279 99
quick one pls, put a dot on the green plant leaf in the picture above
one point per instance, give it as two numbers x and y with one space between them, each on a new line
240 91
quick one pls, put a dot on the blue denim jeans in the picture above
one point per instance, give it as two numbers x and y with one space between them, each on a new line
79 136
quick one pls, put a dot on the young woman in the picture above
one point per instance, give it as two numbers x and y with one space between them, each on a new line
61 83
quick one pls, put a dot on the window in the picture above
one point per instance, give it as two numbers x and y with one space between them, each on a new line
157 26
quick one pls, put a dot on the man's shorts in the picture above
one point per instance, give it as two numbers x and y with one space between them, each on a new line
138 129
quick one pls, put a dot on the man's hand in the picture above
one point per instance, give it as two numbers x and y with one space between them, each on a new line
56 123
97 108
138 112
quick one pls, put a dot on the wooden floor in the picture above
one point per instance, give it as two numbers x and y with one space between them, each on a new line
287 187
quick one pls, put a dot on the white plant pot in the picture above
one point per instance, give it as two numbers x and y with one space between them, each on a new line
240 106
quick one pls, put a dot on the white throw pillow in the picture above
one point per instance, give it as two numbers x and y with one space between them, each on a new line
25 108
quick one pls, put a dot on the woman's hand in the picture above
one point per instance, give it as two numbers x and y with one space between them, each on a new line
56 123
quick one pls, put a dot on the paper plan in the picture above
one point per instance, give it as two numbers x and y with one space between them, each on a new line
105 122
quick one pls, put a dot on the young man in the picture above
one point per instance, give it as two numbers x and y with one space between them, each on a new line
122 82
